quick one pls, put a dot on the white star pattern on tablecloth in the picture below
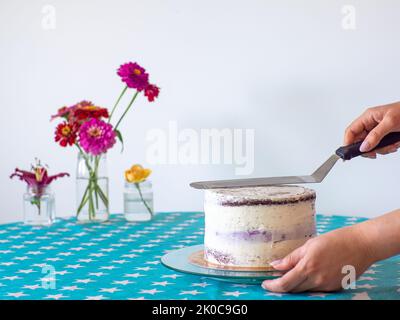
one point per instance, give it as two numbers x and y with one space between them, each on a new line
26 271
366 278
53 259
16 294
77 249
318 294
110 290
55 296
65 254
39 265
201 284
84 280
97 255
32 287
73 266
370 271
138 250
11 278
240 285
21 258
61 273
99 297
7 263
152 291
108 267
97 274
161 283
86 260
365 286
190 292
144 268
123 282
273 294
134 275
119 260
172 276
233 293
71 288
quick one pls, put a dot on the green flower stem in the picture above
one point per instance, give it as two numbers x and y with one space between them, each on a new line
144 202
117 102
91 204
126 110
93 191
96 163
85 199
36 201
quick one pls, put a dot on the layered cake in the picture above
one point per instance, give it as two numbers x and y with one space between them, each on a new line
251 227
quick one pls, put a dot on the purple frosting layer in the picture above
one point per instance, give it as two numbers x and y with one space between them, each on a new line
253 235
268 236
221 257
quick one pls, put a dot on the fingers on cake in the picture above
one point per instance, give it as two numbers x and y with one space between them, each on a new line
251 227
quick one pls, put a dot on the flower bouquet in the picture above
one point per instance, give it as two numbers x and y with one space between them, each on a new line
88 127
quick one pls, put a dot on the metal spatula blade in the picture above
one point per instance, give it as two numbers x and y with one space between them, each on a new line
345 153
316 177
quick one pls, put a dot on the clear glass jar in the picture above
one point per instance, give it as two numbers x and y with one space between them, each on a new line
39 209
138 201
92 188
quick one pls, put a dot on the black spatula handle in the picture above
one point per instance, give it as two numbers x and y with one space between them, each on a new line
353 150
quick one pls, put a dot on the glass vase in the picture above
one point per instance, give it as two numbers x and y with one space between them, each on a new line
138 201
92 188
39 208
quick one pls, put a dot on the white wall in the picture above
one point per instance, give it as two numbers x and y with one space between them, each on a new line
284 68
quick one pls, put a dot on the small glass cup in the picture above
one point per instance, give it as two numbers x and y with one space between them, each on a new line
39 210
138 201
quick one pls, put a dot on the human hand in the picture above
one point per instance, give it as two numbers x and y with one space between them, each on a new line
372 126
317 265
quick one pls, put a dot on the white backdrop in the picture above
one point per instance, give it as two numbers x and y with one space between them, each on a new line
290 70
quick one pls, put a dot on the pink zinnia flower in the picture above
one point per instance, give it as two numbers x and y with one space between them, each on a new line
133 75
96 136
151 92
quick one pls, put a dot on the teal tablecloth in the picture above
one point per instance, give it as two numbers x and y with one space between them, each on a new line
120 260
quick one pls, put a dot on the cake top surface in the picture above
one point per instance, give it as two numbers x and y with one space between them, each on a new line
259 195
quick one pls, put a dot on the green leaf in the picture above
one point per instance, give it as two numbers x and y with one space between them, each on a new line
119 136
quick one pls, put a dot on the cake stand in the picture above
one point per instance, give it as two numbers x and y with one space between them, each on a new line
189 260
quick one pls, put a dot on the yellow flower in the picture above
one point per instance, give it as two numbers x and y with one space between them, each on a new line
137 174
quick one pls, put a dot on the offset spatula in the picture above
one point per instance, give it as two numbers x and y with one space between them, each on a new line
345 153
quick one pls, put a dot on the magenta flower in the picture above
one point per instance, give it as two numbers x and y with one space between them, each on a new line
96 136
134 76
37 179
151 92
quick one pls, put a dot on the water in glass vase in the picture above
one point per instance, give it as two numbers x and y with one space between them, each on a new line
92 188
138 206
100 212
39 211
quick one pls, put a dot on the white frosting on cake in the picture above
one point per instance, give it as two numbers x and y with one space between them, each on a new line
251 227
